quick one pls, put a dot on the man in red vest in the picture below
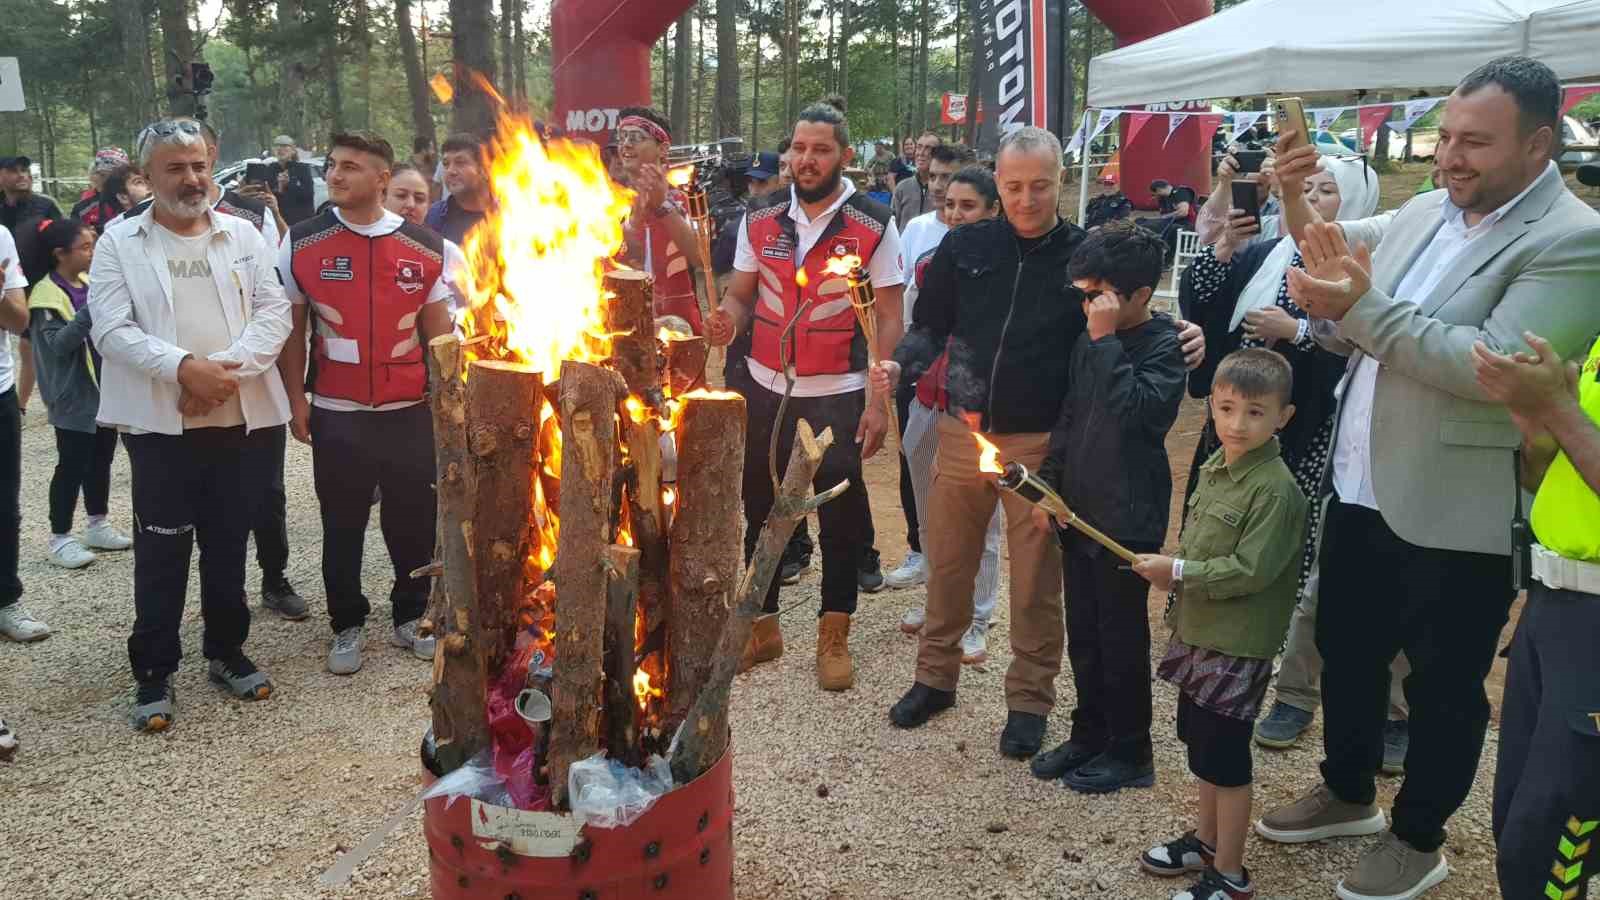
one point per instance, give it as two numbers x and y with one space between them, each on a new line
821 217
660 239
367 287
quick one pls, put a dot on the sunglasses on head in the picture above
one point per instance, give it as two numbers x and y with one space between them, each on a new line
167 129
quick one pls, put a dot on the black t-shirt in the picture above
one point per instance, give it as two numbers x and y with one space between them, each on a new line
22 220
297 201
1180 194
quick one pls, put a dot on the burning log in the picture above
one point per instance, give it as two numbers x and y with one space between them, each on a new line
622 599
630 319
705 739
648 514
686 364
503 401
589 398
460 677
707 539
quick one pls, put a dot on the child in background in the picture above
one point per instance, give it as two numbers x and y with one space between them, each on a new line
1108 459
1236 572
68 371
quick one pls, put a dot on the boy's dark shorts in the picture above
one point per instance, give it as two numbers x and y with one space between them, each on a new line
1219 746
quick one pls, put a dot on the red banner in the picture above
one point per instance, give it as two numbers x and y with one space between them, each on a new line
1209 123
1372 118
953 109
1136 123
1576 95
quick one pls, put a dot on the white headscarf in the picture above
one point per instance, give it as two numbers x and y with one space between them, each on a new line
1358 199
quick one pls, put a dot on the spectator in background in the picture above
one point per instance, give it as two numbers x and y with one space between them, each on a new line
68 368
905 165
407 197
425 157
1177 207
128 187
466 187
1211 222
292 181
785 174
881 190
97 206
21 211
15 622
660 238
912 196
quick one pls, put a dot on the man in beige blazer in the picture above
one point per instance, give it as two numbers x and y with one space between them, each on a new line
1416 548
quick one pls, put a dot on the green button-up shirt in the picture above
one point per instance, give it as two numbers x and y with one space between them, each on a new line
1243 538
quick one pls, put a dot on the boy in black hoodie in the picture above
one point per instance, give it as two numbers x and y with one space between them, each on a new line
1108 459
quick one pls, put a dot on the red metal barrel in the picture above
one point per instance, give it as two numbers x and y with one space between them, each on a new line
682 847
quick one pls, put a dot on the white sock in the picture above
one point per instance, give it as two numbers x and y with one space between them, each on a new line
57 541
1235 877
96 521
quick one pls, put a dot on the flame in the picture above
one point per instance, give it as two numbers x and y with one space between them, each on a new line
842 266
441 87
669 496
644 690
538 259
680 176
989 460
801 278
637 412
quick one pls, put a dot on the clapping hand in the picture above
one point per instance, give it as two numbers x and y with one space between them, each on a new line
1334 277
1529 385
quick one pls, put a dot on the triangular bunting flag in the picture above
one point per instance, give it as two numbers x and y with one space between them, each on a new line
1576 95
1077 136
1173 121
1326 117
1209 123
1372 118
1136 123
1243 121
1107 116
1414 110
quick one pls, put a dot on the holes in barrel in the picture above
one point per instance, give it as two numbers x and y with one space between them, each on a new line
652 850
705 856
661 882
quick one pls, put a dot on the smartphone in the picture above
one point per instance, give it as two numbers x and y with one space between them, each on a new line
258 173
1250 160
1290 115
1245 196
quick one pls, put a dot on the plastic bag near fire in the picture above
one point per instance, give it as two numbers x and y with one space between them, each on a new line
607 794
476 780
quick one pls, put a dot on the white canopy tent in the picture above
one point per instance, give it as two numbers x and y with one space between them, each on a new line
1311 47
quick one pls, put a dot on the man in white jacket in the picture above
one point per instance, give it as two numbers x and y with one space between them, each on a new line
190 317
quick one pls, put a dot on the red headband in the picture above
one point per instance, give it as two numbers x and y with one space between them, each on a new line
45 223
646 126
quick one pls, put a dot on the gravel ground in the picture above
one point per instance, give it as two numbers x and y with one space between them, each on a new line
253 801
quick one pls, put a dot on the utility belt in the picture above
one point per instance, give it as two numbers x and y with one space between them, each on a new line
1559 573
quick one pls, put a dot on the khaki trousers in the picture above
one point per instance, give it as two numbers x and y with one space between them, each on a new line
960 506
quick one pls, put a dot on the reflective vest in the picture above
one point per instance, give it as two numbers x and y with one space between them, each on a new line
826 340
652 249
1566 511
368 292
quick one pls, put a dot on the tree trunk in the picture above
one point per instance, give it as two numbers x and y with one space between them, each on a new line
727 120
629 316
177 43
1069 78
416 81
680 77
622 711
520 49
843 59
361 22
707 552
589 396
508 63
894 71
686 364
922 67
705 740
292 74
331 64
503 401
793 59
975 76
1380 146
755 104
472 46
133 23
460 680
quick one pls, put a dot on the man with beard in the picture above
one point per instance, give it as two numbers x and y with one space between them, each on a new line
375 285
660 239
996 294
467 189
189 317
292 181
822 217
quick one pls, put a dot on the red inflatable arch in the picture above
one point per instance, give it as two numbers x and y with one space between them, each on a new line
602 59
1186 159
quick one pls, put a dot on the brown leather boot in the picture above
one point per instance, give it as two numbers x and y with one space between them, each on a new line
765 644
835 670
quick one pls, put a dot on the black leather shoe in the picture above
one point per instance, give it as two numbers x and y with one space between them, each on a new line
1105 774
278 595
1023 734
920 704
1063 759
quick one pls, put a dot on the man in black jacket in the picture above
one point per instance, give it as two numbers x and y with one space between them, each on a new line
997 292
293 182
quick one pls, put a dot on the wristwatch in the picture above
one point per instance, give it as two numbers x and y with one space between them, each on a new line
662 211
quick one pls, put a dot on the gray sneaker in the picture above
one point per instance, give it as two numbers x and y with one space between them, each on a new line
1320 815
19 625
975 644
1396 740
345 656
1283 726
405 637
1393 870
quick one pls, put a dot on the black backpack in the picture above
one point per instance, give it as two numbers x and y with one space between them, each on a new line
1107 208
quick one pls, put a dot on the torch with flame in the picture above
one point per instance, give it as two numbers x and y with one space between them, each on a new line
683 178
1016 478
865 303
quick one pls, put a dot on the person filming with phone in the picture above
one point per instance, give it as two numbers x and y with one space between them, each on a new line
291 181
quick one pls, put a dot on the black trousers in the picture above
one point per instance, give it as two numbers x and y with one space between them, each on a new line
351 454
203 486
845 530
1108 642
83 463
1445 609
10 496
271 528
908 494
1547 778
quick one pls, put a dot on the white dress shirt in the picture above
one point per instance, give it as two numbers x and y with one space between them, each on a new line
883 270
135 327
921 237
1352 451
14 280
